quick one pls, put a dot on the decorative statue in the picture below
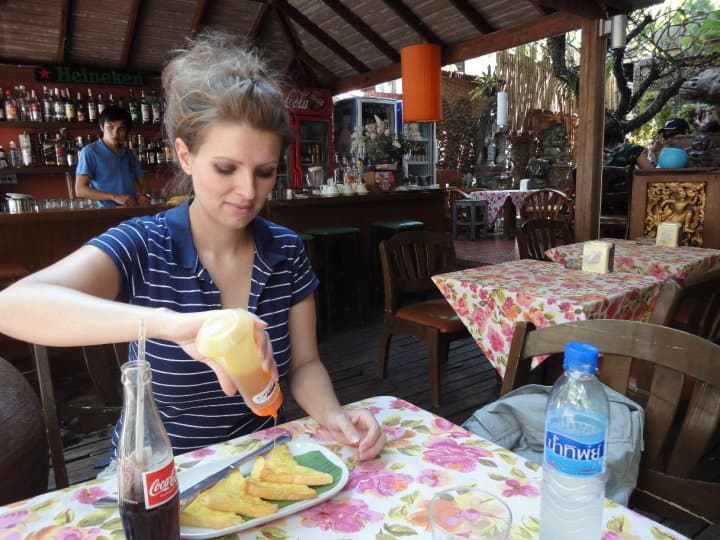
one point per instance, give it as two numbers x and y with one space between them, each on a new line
705 87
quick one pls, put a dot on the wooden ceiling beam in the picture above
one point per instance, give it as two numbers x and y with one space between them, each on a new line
129 32
63 33
287 30
413 21
197 18
541 9
550 25
309 61
321 35
358 24
587 8
473 16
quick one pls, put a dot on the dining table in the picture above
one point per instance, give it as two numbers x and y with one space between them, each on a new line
491 299
385 498
507 200
641 257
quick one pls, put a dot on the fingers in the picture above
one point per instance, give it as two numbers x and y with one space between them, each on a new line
226 383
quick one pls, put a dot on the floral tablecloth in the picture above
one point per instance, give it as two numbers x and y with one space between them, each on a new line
384 499
490 299
496 200
637 258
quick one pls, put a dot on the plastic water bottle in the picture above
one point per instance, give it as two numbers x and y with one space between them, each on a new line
574 473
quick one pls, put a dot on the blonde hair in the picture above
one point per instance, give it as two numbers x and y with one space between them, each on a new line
214 79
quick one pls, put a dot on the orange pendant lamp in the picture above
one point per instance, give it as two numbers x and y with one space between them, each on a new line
420 67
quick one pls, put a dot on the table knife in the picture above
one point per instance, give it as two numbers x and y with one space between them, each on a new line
189 494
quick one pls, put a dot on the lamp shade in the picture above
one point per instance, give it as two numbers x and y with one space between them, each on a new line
420 67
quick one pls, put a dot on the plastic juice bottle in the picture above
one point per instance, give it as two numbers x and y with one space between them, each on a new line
229 337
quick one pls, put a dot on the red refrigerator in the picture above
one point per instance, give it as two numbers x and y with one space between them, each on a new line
312 146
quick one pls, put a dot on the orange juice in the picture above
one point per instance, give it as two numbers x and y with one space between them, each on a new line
229 337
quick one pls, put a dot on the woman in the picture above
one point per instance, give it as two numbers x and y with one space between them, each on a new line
618 153
227 119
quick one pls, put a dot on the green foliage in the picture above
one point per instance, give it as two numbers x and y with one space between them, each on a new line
487 85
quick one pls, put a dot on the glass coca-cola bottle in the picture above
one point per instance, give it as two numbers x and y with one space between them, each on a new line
147 485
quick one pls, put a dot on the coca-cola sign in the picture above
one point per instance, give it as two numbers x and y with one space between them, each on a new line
160 485
307 99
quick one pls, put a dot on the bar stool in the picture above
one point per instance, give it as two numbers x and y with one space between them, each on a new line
339 264
471 214
382 230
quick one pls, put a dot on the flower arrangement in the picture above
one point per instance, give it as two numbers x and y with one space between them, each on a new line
377 143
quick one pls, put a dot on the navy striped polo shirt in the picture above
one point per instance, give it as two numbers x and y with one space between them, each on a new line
159 267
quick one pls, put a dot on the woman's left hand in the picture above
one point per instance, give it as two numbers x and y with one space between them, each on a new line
356 428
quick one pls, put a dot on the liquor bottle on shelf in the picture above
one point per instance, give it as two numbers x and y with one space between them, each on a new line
48 151
145 111
22 103
11 110
111 100
92 108
3 161
2 106
58 106
14 156
100 105
35 108
81 113
47 105
69 107
156 108
121 102
133 107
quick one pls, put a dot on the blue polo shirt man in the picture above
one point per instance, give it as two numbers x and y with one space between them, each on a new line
107 170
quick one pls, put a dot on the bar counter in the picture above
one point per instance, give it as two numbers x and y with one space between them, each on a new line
36 240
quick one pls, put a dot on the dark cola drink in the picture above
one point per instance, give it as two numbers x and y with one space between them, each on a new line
147 484
159 523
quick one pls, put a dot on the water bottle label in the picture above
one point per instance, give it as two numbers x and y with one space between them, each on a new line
576 445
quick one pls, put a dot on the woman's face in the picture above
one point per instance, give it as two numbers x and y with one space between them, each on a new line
233 171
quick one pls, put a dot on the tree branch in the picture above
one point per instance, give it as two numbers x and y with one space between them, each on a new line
560 69
658 103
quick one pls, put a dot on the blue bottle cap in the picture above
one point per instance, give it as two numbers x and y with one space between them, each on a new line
580 357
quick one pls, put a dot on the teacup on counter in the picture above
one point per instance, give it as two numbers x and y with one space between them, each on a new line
328 190
360 189
346 189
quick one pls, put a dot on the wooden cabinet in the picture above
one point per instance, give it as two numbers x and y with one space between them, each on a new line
690 197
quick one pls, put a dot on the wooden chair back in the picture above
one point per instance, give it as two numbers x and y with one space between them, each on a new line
692 305
615 201
677 431
545 204
409 260
535 236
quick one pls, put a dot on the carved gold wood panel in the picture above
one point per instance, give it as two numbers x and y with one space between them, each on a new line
681 202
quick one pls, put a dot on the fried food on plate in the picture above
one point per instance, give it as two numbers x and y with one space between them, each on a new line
279 466
278 492
197 514
230 495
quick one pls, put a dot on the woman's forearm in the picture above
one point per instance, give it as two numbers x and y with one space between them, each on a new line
55 315
312 388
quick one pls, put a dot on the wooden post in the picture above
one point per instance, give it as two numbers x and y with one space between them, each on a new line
590 131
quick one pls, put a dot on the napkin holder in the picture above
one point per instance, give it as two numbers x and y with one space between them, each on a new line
668 234
598 257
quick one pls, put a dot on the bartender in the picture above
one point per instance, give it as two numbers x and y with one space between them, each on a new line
107 170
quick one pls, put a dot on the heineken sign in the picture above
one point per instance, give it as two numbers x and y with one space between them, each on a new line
81 75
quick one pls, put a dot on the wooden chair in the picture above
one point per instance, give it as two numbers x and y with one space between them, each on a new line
546 204
408 261
615 201
535 236
676 433
692 305
23 447
84 414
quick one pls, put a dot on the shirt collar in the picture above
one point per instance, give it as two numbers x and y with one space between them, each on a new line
268 247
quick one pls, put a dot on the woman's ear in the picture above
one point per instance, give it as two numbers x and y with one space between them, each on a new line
184 156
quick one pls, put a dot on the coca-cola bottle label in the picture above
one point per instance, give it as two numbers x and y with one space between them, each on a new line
160 485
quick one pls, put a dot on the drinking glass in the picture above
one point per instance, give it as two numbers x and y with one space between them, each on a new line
469 514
